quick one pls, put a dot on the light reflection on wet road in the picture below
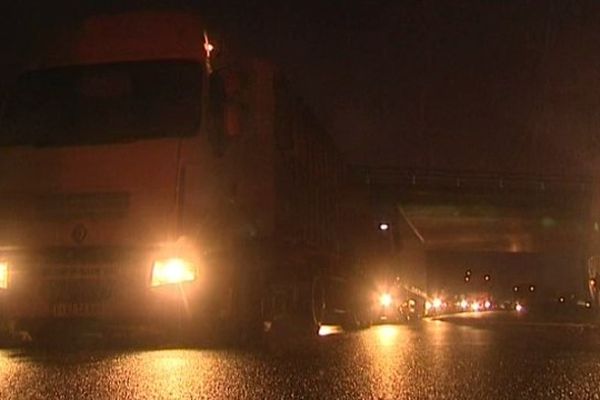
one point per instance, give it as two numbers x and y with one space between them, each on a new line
429 360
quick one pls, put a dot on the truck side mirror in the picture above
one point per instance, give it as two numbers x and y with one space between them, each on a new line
225 109
284 115
216 113
234 110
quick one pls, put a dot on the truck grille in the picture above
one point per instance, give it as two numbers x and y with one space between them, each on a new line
77 291
79 275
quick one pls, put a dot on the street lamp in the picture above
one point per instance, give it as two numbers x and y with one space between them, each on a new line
468 275
388 231
385 299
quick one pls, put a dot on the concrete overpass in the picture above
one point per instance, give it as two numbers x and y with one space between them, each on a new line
474 212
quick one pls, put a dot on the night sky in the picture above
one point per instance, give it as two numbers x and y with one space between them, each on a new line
509 86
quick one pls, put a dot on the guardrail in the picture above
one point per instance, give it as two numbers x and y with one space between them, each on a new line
441 179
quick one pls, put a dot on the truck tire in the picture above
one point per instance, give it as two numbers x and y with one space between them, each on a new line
318 304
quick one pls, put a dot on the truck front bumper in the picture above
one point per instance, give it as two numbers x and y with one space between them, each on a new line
102 288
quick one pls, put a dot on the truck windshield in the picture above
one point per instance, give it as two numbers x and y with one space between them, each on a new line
104 103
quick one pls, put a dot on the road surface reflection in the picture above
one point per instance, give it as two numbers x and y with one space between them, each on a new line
427 360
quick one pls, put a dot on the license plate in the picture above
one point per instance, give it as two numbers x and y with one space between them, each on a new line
76 310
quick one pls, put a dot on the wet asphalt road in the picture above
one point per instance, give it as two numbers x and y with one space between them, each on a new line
428 360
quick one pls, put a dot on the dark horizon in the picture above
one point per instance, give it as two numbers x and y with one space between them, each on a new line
468 85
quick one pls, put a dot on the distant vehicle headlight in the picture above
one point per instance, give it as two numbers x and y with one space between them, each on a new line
3 275
385 299
519 308
172 271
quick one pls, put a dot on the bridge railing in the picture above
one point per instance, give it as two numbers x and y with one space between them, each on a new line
441 179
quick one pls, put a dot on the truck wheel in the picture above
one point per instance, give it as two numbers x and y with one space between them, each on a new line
351 321
317 302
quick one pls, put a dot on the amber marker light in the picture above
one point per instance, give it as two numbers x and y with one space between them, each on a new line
172 271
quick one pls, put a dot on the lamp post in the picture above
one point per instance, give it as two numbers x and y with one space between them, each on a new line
387 229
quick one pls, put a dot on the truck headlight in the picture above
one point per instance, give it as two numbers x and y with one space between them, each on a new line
171 271
3 275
